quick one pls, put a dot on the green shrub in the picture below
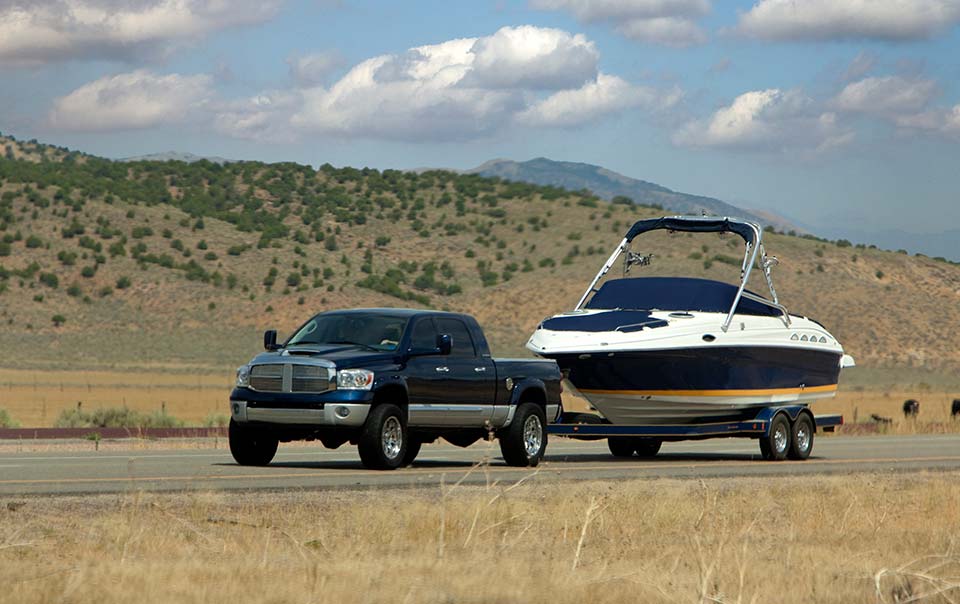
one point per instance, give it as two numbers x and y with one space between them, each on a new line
115 417
123 282
58 320
33 242
140 232
88 272
6 421
50 280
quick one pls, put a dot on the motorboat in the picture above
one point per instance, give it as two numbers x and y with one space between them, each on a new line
675 350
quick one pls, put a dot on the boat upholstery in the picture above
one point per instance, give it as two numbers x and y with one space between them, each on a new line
674 294
620 320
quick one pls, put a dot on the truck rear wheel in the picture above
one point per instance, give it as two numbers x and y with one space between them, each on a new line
801 438
523 442
775 445
383 441
251 447
413 449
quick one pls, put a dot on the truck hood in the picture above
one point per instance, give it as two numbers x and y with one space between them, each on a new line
342 355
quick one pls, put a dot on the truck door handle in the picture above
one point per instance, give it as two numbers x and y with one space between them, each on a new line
479 369
443 369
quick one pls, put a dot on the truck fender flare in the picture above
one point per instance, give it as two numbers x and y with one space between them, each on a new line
395 383
522 388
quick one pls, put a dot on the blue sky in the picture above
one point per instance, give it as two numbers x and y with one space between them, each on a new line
843 115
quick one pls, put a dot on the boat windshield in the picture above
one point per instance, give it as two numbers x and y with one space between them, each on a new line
374 330
674 294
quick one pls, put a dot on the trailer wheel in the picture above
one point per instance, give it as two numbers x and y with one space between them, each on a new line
801 438
622 446
383 441
523 442
648 447
775 445
251 447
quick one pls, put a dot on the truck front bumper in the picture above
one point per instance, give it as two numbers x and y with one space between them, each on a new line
346 408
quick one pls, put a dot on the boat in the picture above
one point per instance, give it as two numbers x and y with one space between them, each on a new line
681 350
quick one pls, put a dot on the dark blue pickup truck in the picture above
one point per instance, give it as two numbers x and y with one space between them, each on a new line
389 380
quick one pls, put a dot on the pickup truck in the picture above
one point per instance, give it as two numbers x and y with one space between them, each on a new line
390 380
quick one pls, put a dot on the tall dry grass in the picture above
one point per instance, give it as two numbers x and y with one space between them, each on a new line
868 538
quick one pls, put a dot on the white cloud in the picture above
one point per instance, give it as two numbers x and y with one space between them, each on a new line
941 122
602 10
886 96
314 68
765 120
53 30
466 88
849 19
608 94
664 22
264 117
139 99
666 31
532 57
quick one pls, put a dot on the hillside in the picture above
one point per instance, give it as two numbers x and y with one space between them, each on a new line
609 185
173 264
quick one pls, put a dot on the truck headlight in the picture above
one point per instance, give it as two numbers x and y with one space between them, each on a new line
243 376
354 379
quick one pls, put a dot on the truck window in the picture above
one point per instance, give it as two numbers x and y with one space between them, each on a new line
462 342
424 336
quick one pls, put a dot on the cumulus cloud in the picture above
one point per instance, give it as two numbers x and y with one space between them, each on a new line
41 31
314 68
849 19
263 117
608 94
886 96
469 87
665 22
139 99
770 119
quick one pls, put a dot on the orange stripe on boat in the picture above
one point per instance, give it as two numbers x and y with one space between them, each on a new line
758 392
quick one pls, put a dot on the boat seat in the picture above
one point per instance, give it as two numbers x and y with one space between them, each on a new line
620 320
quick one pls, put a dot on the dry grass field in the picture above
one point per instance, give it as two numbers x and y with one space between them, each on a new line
787 540
35 398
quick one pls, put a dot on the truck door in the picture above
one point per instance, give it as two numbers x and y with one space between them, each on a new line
472 377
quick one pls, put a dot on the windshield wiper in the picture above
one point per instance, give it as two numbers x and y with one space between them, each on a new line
367 346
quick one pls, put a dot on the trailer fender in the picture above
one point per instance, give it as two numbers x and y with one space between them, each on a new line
791 411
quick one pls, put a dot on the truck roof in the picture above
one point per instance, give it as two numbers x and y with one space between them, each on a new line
407 312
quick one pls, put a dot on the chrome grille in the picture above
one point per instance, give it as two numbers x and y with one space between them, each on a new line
290 377
310 378
267 378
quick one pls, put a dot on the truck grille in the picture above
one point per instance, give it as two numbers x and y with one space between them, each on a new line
289 377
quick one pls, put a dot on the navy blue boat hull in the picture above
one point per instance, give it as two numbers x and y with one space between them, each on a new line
698 384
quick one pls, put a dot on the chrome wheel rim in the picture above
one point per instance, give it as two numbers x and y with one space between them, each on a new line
392 437
780 439
532 435
803 438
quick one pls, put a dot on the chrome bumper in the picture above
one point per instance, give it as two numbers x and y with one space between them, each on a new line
332 414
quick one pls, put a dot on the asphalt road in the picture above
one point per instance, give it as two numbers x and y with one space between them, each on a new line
311 467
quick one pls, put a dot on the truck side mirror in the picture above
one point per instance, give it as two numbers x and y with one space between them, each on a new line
444 343
270 340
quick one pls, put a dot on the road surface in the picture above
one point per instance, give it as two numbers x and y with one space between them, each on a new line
309 466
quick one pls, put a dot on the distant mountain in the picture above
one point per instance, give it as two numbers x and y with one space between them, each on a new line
608 184
177 156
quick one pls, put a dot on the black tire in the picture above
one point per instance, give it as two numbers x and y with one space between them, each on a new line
251 447
775 445
383 440
801 438
621 446
648 447
413 449
523 442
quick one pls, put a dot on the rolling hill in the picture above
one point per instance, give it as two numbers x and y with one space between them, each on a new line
177 264
609 185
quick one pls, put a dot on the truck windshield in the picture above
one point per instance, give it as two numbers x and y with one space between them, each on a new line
374 330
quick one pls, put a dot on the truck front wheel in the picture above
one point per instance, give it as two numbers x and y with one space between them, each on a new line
383 442
251 447
523 442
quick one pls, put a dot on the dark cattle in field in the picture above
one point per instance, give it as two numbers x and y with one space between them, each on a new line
955 409
911 408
